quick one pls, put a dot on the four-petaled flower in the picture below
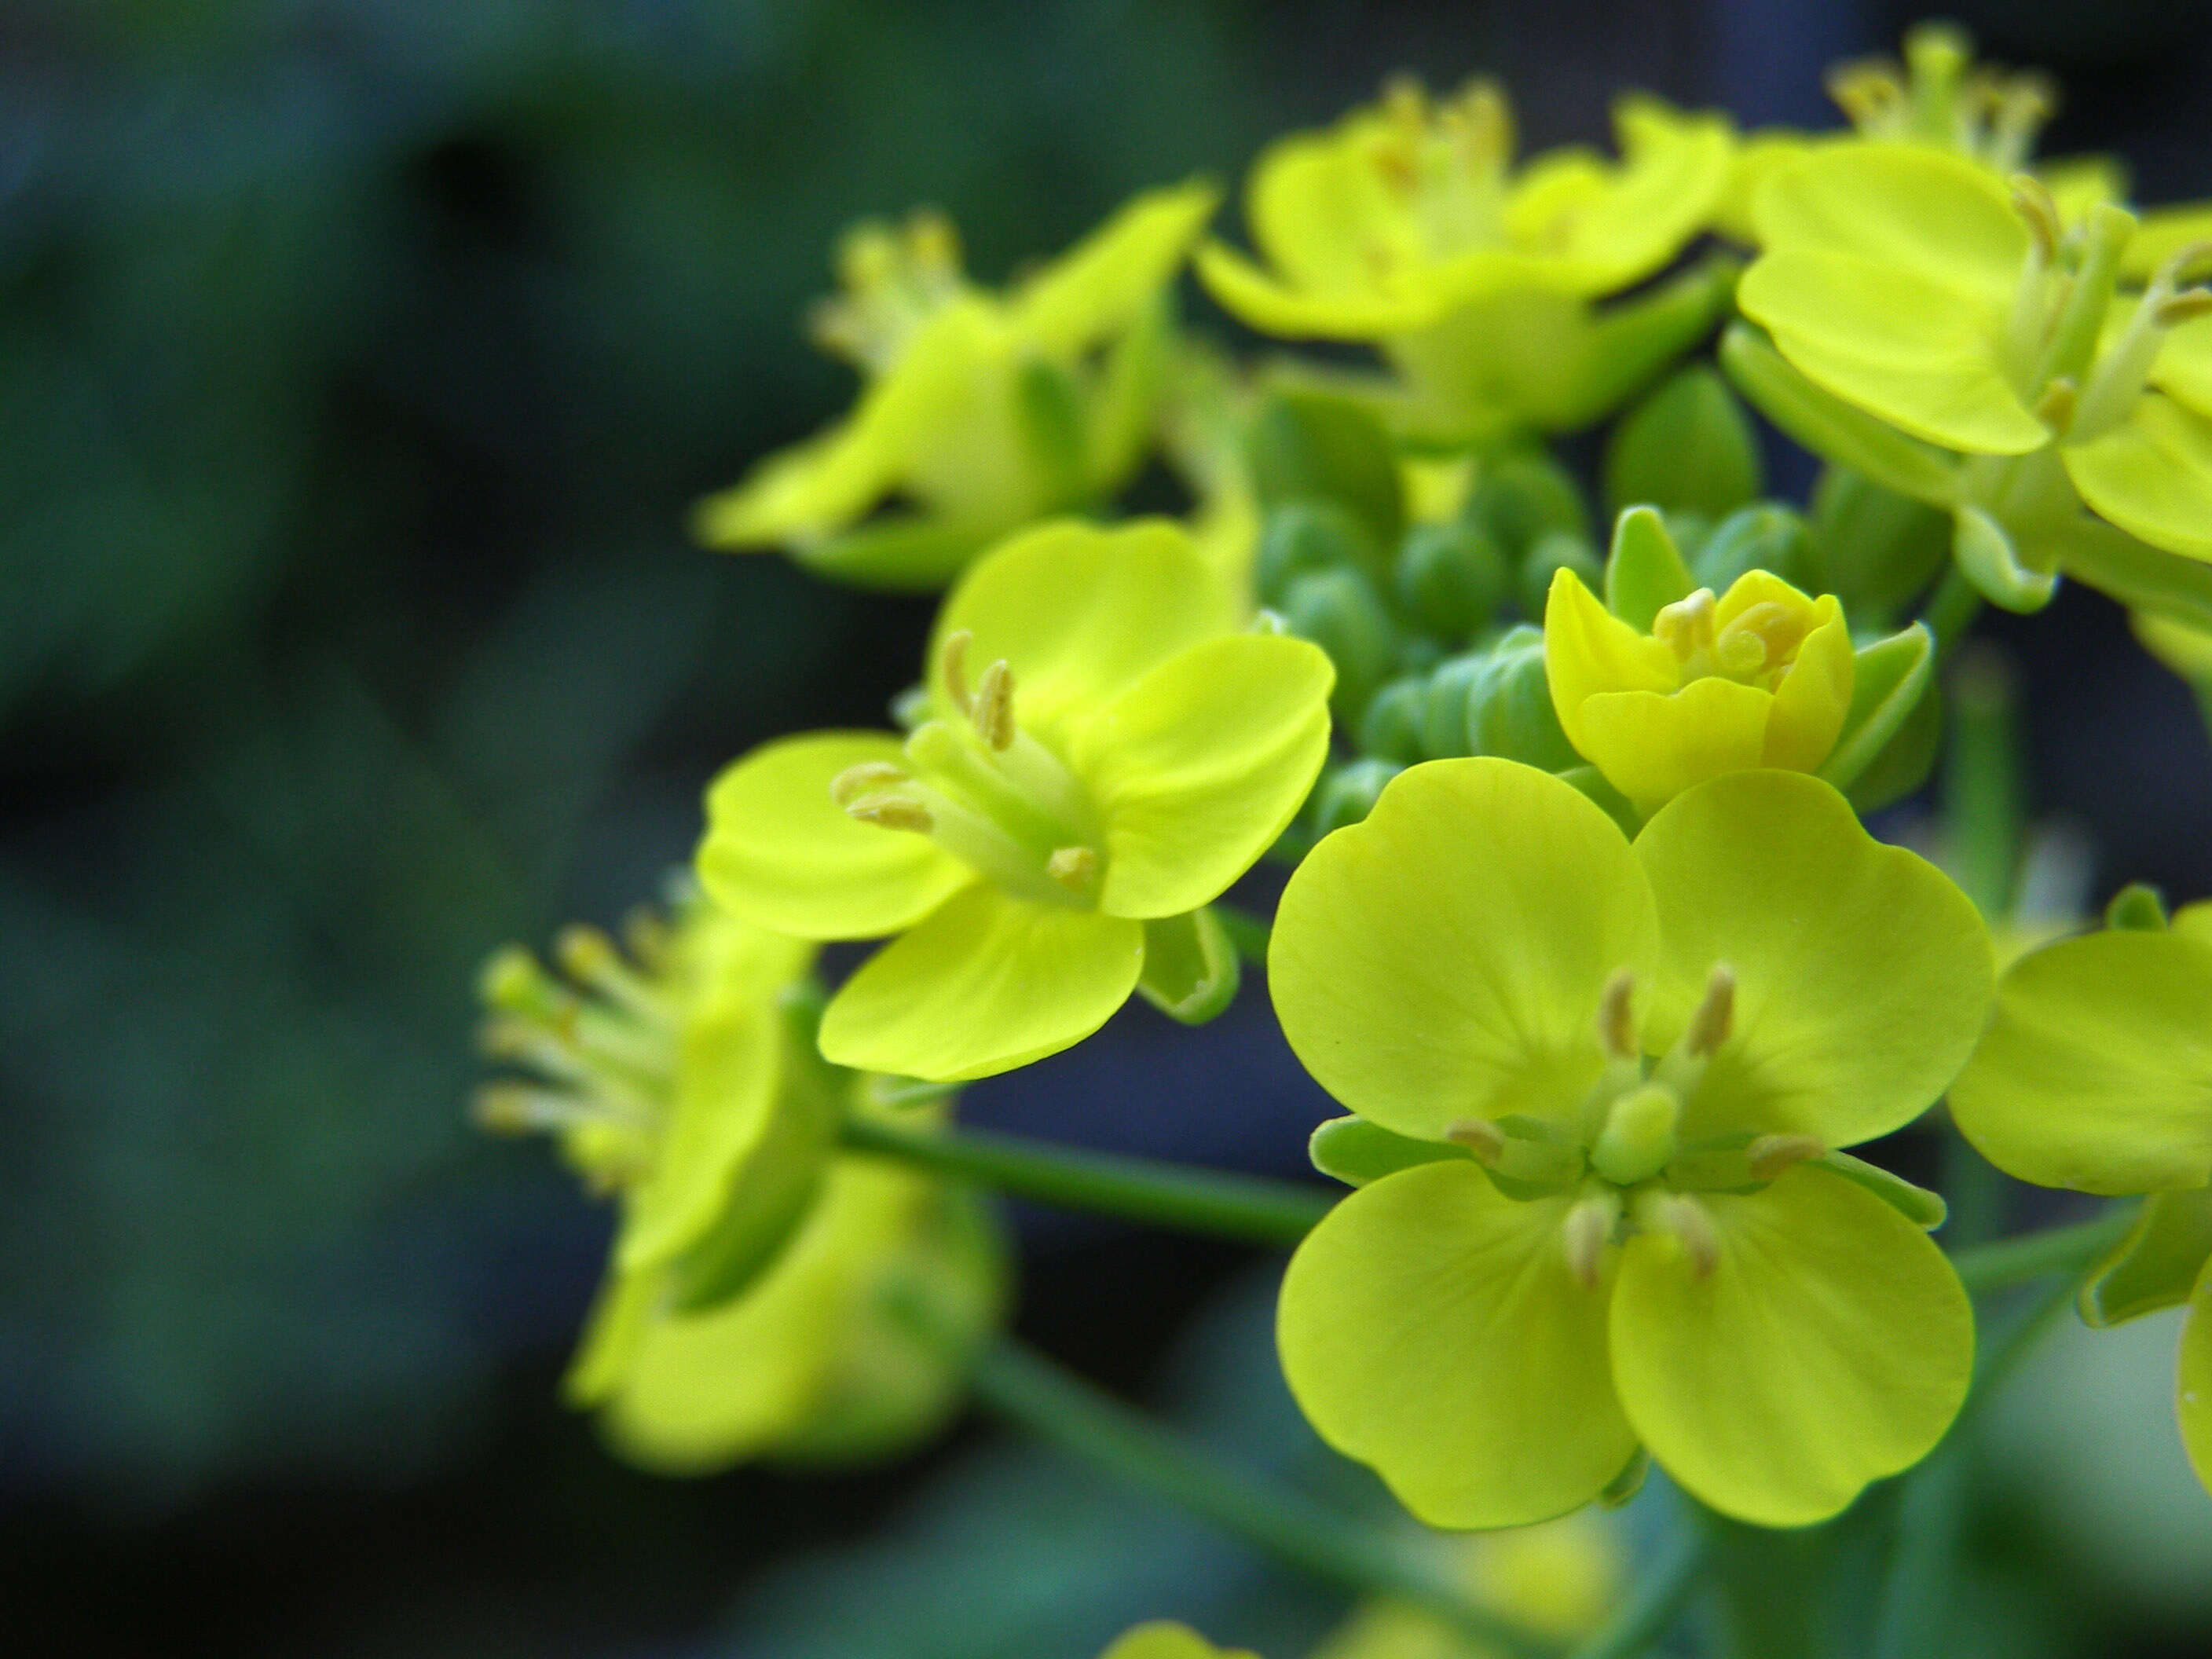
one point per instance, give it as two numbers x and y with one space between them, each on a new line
1606 1085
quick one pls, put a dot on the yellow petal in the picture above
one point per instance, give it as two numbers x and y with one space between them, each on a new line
1588 650
1814 696
1652 746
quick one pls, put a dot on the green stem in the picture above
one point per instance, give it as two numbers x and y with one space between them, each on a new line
1982 784
1058 1407
2070 1250
1951 609
1250 1208
1246 931
1654 1604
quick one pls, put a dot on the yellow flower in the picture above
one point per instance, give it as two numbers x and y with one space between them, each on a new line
986 412
1760 676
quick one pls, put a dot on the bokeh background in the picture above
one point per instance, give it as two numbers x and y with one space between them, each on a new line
359 360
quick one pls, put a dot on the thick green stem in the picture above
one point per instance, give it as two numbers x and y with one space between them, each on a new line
1951 609
2070 1250
1062 1408
1654 1604
1250 1208
1982 784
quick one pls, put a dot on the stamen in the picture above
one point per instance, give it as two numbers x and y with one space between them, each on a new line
1867 91
1770 1155
952 664
1687 625
1073 867
2054 408
589 957
865 779
1716 1015
1616 1017
1586 1231
992 708
2184 307
514 982
2032 201
1480 1136
1740 652
892 812
1683 1218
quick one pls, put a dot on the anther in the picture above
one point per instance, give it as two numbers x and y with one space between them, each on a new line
1687 625
952 664
2056 407
1073 867
1716 1015
1616 1017
992 708
1770 1155
869 776
2183 307
1868 92
1683 1218
1480 1136
1586 1233
1740 652
892 812
2032 201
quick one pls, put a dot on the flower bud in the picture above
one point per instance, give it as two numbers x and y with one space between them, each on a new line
1522 496
1347 792
1687 447
1340 611
1509 705
1553 552
1391 727
1308 536
1765 535
1451 579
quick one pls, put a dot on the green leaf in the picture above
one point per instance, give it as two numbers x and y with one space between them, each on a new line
1833 429
1191 969
1888 680
1905 762
1989 559
2157 1262
1355 1152
1644 574
1312 444
1687 448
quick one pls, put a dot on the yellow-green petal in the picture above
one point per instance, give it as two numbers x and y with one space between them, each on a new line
1445 958
1162 1639
1863 975
2192 1380
2183 369
1429 1329
988 984
1078 613
1900 205
1253 296
1588 650
1102 283
1197 768
779 852
1814 695
2097 1072
1830 1346
1924 355
2152 475
1651 746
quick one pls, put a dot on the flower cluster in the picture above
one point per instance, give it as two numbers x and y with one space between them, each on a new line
1584 926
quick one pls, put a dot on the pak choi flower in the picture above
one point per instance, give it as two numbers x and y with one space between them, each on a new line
1102 757
1600 1091
980 412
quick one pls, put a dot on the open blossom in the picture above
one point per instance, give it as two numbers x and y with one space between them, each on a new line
1600 1091
1102 756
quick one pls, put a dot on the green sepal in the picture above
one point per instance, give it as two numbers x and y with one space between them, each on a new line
1644 574
1127 406
1988 558
1355 1152
1629 1482
1875 548
1191 970
1555 551
1835 430
899 553
1888 680
2156 1265
1631 341
1054 426
1905 762
2139 576
1687 448
1314 444
1923 1209
904 1094
2138 907
1765 536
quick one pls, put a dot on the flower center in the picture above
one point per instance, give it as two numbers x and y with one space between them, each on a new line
986 791
1446 165
893 281
1940 98
1627 1165
1756 647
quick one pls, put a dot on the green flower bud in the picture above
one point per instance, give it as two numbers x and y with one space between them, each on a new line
1688 447
1315 446
1509 711
1520 497
1347 792
1340 611
1876 548
1391 728
1557 550
1765 536
1444 731
1451 579
1305 536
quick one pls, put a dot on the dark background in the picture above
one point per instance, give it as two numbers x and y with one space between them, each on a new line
358 363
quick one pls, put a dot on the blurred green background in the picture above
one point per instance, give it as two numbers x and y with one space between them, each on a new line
358 363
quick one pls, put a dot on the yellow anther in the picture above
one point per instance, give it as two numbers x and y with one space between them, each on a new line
1687 626
952 664
1586 1231
2031 200
503 1109
865 779
1616 1017
2183 307
933 243
1480 1136
992 708
1867 91
1770 1155
1680 1217
512 982
1406 101
892 812
1716 1015
2054 408
1482 122
1740 652
1073 868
